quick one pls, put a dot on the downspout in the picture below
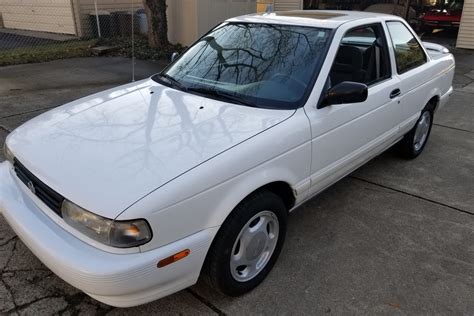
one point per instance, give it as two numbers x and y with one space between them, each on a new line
97 18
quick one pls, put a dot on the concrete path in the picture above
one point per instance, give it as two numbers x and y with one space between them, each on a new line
395 237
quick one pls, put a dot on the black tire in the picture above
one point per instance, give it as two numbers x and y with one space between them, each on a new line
407 147
217 268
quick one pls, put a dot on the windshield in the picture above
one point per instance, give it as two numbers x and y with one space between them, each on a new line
262 65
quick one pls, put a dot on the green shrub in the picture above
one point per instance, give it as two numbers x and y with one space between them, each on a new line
46 52
142 49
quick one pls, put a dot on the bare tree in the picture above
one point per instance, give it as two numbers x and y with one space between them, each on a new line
157 23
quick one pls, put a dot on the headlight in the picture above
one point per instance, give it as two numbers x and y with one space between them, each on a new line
121 234
8 154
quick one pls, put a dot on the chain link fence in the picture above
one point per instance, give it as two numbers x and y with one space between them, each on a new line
42 30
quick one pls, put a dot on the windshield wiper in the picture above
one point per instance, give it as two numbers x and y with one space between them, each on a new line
173 81
221 95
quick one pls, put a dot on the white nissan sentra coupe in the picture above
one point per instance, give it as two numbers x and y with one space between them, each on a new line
132 193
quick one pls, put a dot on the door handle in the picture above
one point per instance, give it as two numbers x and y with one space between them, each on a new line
395 93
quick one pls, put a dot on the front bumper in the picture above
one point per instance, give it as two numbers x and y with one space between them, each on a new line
121 280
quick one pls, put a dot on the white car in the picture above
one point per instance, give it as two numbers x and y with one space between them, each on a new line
132 193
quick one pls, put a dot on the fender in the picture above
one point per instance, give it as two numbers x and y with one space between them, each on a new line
226 180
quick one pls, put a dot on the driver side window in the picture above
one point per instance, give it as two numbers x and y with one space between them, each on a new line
362 56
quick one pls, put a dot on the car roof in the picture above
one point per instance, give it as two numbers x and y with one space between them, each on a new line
316 18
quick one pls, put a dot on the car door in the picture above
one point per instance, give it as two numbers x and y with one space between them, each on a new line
413 71
345 135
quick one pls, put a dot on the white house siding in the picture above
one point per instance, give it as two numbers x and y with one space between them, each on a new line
212 12
189 19
182 21
38 15
87 6
287 5
466 29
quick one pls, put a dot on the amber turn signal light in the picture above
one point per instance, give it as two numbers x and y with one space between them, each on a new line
178 256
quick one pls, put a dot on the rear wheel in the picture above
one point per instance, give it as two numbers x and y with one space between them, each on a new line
415 140
247 245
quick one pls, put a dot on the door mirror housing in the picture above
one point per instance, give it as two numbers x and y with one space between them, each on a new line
345 92
174 56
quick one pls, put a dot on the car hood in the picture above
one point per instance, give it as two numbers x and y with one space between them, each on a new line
106 151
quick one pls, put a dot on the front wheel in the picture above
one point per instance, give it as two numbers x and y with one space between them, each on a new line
247 245
415 140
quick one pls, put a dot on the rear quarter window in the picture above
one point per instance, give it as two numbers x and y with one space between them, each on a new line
408 51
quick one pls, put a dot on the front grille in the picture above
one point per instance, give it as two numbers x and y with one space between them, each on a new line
50 197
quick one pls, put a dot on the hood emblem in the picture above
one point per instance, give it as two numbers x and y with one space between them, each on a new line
31 186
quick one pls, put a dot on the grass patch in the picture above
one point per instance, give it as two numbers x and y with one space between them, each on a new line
46 52
82 48
142 50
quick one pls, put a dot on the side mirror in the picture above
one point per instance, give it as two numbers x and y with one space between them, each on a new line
174 56
345 92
